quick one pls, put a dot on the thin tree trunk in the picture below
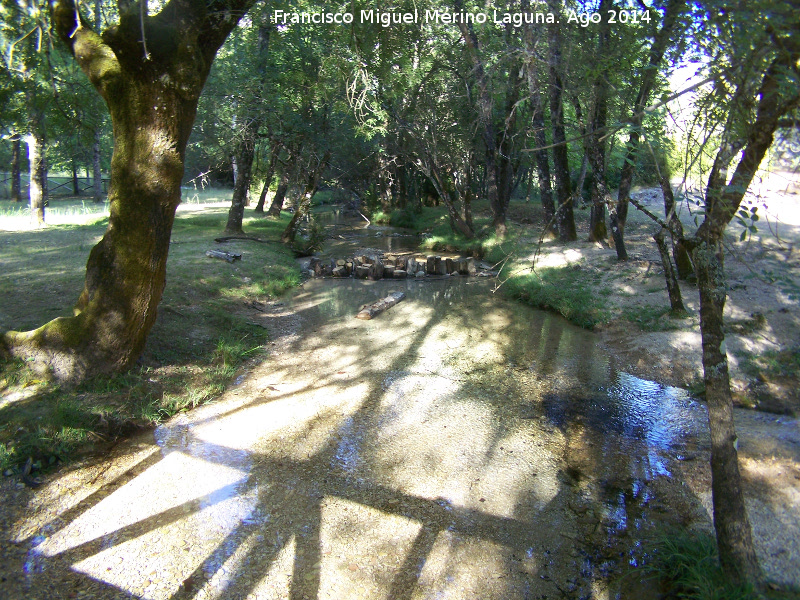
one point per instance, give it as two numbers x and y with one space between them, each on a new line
734 535
595 144
680 252
38 176
16 172
280 194
273 161
96 165
673 289
244 158
565 218
76 184
304 206
619 213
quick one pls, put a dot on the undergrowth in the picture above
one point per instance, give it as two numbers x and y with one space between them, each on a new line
687 565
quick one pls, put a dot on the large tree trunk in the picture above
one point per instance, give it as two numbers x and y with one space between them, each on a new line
152 111
16 172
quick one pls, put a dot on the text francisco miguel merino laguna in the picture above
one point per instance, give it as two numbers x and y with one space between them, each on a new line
387 18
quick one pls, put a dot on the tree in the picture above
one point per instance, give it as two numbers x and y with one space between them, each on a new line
150 70
757 59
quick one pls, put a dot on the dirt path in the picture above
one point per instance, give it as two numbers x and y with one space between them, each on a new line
458 446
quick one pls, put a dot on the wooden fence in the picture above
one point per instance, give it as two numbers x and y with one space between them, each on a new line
56 186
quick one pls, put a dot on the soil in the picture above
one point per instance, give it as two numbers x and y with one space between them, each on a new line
457 446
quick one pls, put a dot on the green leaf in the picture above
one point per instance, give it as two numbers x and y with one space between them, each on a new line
743 235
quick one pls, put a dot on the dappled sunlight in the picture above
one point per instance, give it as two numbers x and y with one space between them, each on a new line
386 540
427 453
185 483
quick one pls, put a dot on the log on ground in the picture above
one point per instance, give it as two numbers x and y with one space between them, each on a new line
227 256
372 310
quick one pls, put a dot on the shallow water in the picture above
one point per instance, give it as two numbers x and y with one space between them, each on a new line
457 446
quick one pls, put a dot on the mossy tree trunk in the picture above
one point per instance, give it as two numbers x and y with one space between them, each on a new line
151 87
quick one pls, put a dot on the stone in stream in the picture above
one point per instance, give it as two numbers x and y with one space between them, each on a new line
362 271
411 264
449 265
388 271
399 274
420 274
376 270
466 266
441 266
430 265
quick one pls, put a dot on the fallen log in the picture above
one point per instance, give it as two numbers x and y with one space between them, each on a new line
222 240
372 310
227 256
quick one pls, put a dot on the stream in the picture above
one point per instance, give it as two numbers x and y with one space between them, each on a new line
457 446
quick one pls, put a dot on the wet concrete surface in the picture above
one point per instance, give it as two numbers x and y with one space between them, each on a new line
457 446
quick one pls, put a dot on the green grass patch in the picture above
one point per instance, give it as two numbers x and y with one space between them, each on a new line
568 291
654 318
207 328
688 567
772 364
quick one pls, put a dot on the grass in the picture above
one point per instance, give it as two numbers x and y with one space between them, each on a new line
568 291
688 567
772 364
654 318
206 330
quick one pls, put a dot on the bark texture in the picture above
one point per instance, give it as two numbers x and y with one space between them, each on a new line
151 90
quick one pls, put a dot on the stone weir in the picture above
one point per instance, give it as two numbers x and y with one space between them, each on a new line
393 266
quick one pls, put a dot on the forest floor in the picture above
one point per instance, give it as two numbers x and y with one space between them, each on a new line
394 458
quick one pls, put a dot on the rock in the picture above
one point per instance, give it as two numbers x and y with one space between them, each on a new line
430 265
388 271
376 270
400 274
362 271
420 274
449 265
